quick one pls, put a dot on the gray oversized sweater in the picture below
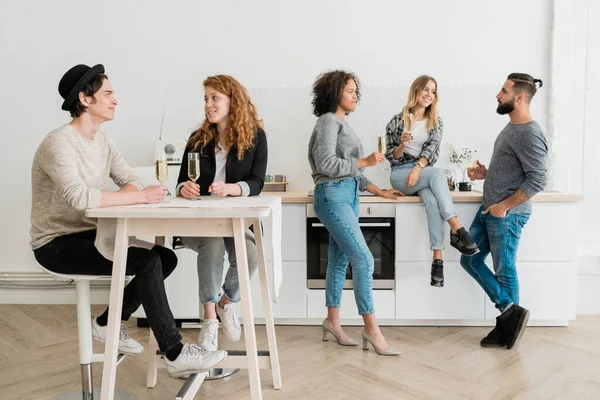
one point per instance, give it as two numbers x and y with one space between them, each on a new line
68 175
334 150
518 162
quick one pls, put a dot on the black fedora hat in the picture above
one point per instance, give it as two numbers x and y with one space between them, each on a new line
74 80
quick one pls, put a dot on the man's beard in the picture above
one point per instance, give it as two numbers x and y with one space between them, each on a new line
505 108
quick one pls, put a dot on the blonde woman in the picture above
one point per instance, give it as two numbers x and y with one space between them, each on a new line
413 146
233 162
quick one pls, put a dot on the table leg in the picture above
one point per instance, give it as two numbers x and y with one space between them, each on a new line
239 235
117 284
268 307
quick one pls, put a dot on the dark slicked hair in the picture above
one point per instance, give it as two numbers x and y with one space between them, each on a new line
327 91
524 83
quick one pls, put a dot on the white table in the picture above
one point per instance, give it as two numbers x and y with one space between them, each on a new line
206 218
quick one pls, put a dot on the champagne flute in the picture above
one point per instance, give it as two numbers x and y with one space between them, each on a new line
162 169
409 119
381 147
194 169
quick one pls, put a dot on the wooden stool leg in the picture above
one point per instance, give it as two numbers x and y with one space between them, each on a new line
153 360
268 307
241 256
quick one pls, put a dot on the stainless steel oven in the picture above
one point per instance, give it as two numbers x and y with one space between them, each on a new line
377 223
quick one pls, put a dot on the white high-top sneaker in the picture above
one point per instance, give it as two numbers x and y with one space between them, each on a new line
208 339
127 345
193 360
231 323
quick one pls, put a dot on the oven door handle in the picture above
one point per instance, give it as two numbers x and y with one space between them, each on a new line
361 224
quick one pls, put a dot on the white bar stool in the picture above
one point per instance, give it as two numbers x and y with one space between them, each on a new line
84 333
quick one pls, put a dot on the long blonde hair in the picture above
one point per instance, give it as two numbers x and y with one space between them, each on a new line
431 112
243 118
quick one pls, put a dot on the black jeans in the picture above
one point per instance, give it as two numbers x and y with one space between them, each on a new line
75 254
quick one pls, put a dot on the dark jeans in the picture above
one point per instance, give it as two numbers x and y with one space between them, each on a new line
75 254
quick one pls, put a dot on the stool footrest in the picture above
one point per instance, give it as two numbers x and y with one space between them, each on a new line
235 359
190 387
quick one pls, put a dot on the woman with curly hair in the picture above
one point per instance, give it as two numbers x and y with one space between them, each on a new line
335 157
412 152
233 162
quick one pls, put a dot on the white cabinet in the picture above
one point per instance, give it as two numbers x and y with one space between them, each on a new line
461 298
545 265
551 233
412 232
548 290
293 233
292 300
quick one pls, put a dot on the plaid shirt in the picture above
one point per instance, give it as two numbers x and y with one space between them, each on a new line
430 150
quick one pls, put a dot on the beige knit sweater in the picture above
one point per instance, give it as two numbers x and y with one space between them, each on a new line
67 177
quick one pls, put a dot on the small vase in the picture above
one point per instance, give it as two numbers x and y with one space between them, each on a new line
450 178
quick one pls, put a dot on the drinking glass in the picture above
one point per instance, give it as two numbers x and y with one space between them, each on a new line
162 168
194 169
381 147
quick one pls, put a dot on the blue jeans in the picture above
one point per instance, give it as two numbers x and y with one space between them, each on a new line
336 205
211 255
432 188
500 237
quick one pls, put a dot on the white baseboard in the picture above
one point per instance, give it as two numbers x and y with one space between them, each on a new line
54 296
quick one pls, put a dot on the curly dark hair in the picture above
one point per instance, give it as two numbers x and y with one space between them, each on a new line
327 90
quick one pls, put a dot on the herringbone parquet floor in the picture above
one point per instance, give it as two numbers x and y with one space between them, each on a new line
38 360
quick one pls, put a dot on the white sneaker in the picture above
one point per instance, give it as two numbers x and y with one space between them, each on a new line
208 339
127 345
231 323
193 360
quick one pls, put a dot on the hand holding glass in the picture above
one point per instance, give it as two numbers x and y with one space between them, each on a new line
471 168
162 169
194 169
381 147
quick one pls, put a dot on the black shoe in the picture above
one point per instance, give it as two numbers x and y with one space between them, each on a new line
514 321
496 338
461 241
437 273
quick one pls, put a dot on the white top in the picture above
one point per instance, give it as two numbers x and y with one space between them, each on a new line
220 163
420 136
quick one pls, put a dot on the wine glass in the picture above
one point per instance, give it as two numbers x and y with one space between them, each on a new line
381 147
409 119
471 167
162 169
194 169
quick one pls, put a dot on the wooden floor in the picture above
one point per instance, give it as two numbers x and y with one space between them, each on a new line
38 360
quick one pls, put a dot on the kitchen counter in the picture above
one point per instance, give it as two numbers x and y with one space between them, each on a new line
302 197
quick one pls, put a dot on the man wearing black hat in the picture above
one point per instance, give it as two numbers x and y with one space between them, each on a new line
69 173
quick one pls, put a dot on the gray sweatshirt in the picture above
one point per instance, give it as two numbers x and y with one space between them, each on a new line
518 162
68 175
334 150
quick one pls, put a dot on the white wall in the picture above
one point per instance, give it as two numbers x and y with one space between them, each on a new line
275 48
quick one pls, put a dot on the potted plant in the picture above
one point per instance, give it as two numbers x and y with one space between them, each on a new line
463 160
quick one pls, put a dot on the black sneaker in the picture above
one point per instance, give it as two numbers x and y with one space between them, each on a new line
437 273
496 338
461 241
514 321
